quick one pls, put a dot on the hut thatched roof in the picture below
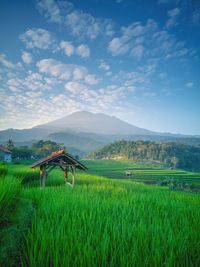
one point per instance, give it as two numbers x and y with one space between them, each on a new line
58 156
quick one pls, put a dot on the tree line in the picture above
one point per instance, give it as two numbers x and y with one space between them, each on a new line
37 150
174 155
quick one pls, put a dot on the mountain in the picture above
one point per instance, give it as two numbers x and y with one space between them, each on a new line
87 122
85 131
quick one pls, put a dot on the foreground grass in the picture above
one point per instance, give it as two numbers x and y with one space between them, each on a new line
15 219
104 222
99 222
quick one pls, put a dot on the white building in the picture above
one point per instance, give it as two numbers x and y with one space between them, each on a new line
5 154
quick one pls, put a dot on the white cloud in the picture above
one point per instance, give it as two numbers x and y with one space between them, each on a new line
67 47
97 99
55 68
130 34
51 10
26 57
173 16
137 51
189 84
91 79
6 63
148 41
118 47
79 73
83 51
77 22
66 71
37 38
84 24
32 82
75 87
104 66
31 108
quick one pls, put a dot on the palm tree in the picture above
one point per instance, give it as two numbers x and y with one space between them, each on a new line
10 144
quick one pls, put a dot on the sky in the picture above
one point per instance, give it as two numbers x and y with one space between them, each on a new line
133 59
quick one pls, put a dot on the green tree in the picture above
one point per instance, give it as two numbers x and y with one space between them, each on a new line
10 144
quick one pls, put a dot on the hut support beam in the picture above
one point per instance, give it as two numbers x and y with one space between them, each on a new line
51 168
66 175
43 175
73 176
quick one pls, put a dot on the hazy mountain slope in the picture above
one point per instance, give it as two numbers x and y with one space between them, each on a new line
83 143
83 121
24 135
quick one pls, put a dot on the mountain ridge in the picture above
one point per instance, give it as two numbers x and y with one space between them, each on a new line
84 121
88 131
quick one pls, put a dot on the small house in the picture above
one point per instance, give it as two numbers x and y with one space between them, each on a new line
5 154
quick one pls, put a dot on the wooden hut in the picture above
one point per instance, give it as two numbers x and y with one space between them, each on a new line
62 160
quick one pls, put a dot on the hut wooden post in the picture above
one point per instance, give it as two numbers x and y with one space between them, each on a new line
73 175
43 175
44 178
66 175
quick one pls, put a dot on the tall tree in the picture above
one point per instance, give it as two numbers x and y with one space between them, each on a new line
10 144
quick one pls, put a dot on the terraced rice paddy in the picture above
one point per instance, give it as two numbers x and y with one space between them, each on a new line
141 172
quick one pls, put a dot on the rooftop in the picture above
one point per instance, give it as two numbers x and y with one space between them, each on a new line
56 156
5 150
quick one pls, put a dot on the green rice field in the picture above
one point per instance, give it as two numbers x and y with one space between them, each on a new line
141 172
99 222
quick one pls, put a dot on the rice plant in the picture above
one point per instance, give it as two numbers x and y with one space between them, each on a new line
112 223
27 175
100 222
15 218
3 169
9 195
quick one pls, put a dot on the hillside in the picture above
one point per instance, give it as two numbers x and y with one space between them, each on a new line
84 143
172 154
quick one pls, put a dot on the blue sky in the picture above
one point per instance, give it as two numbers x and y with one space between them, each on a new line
137 60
